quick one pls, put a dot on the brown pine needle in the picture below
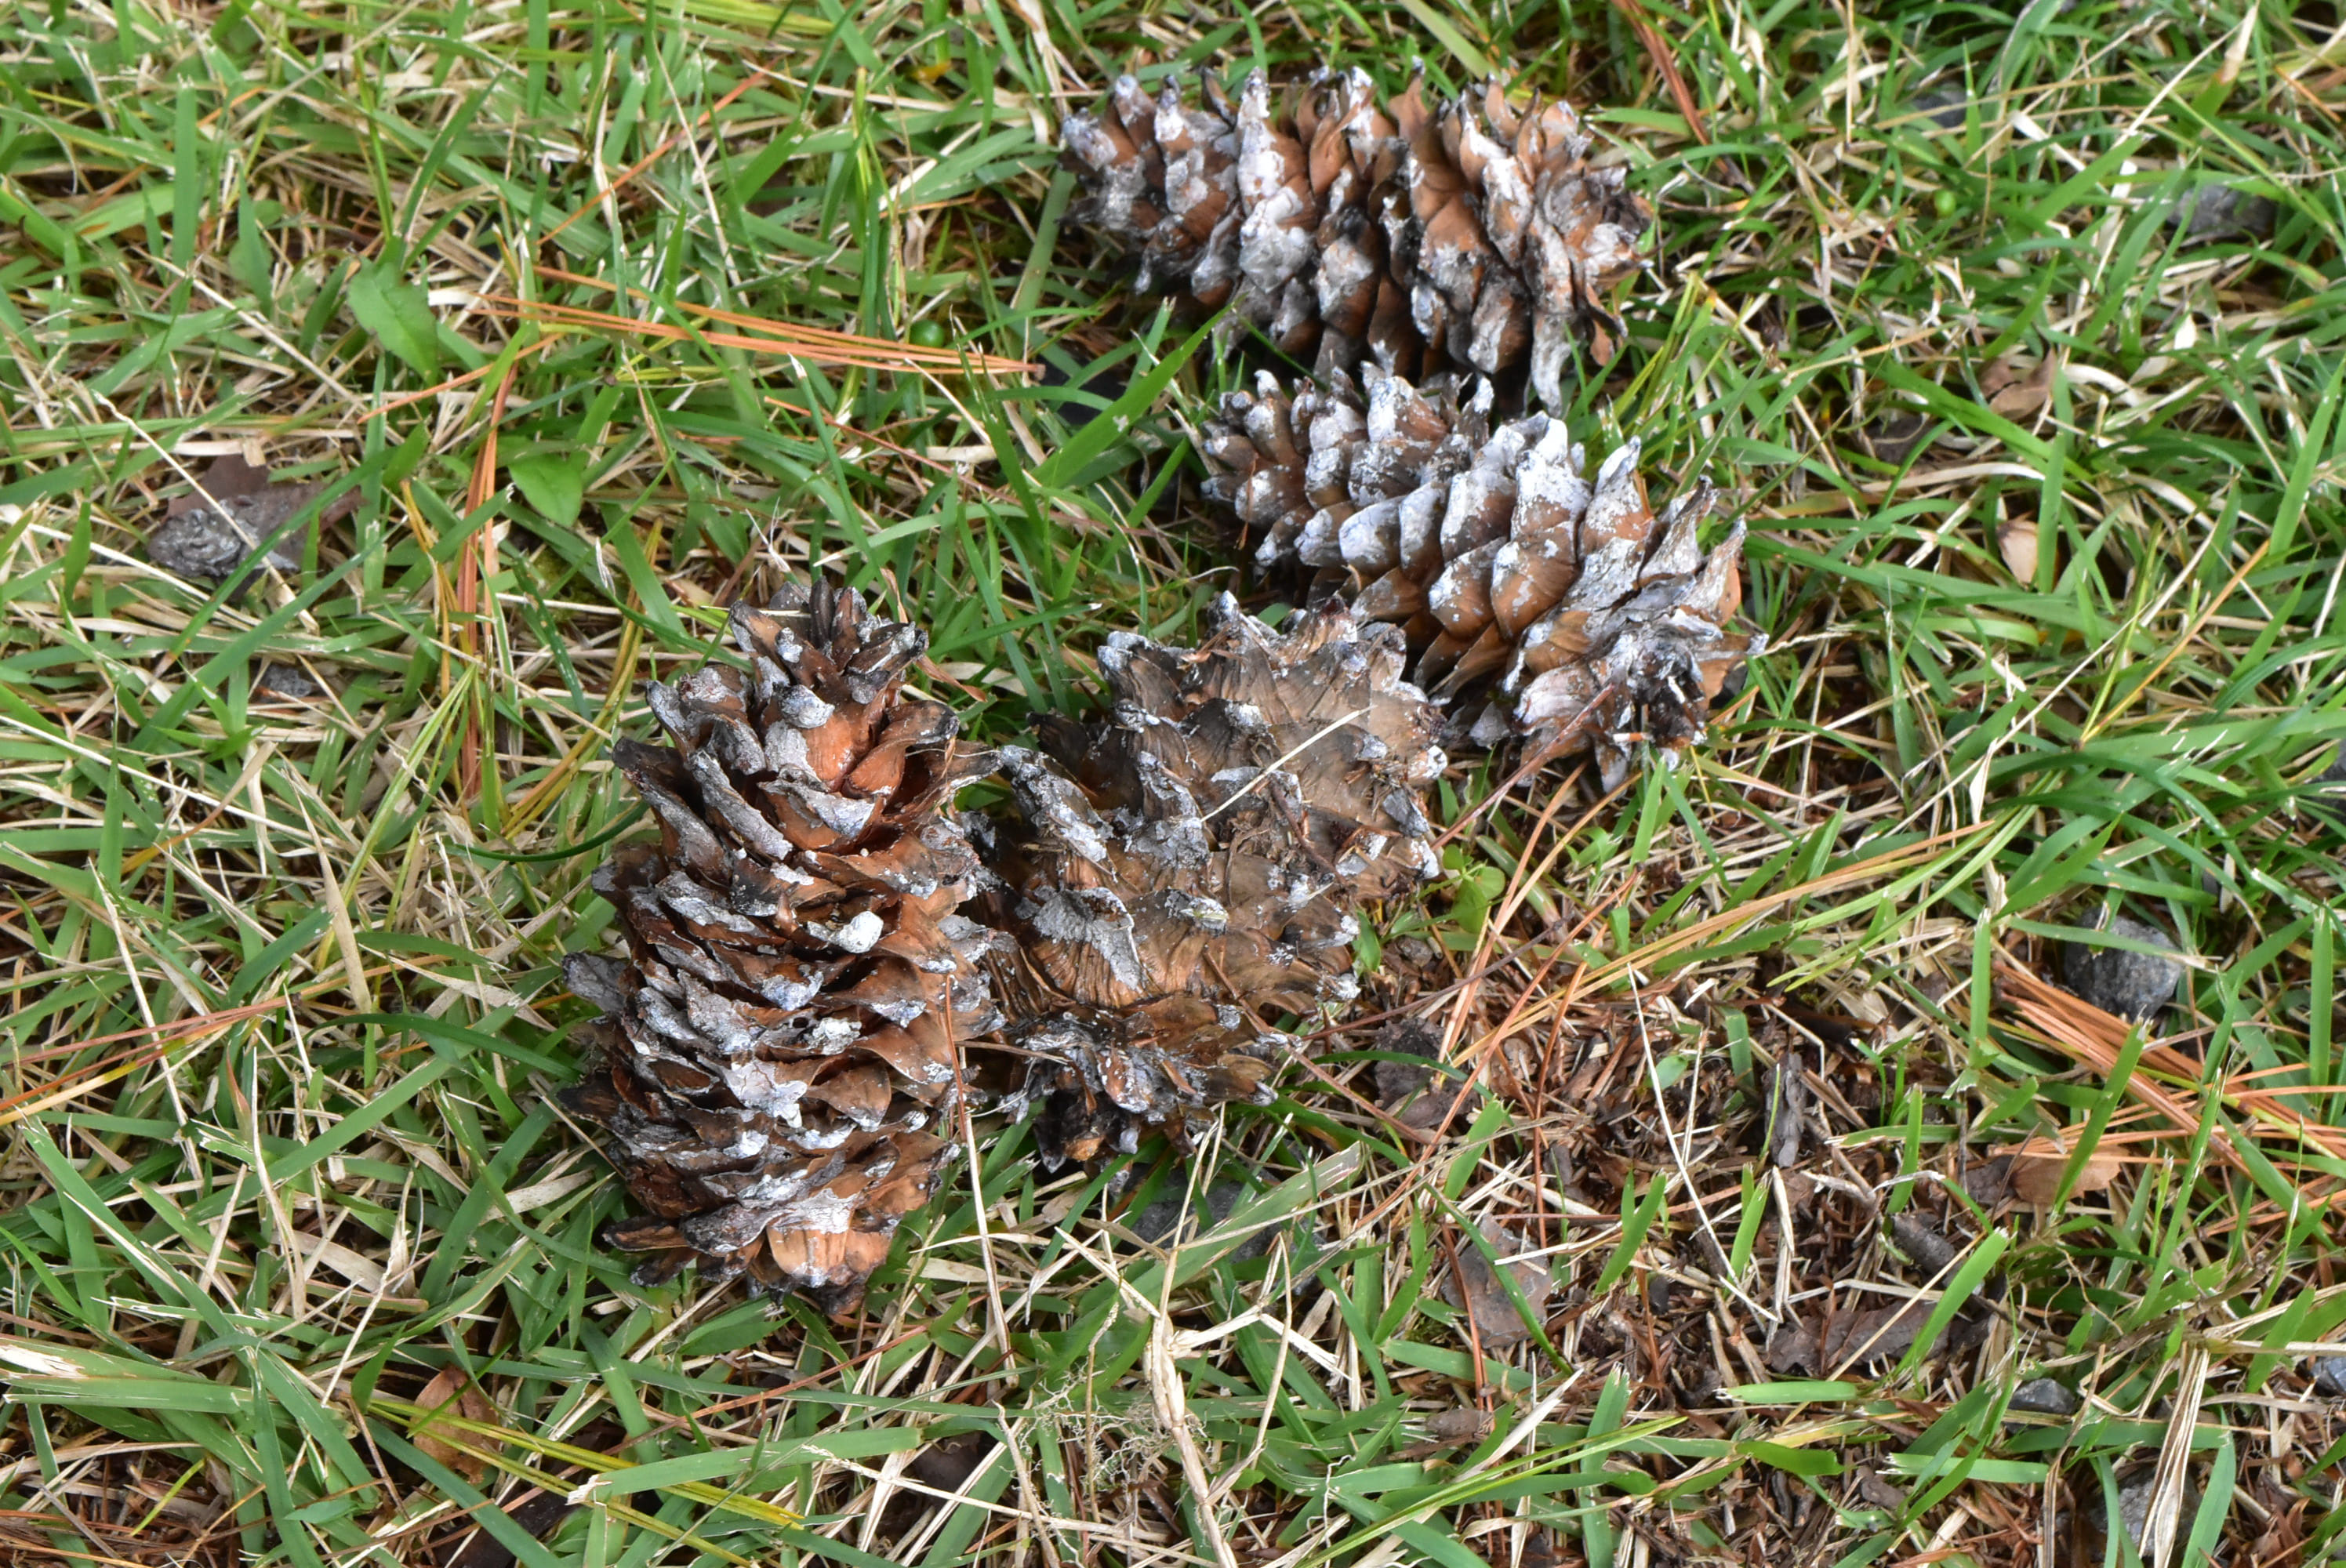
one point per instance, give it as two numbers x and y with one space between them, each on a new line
817 345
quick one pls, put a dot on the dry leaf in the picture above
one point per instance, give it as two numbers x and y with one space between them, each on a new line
1496 1321
1853 1339
2016 541
227 478
453 1392
2037 1167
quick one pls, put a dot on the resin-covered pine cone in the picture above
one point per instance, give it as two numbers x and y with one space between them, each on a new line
1199 856
1591 620
1474 236
781 1049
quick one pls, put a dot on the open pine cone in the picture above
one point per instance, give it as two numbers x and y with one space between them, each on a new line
780 1053
1201 854
1474 237
1599 623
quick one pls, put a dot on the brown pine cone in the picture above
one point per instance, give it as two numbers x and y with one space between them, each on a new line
1600 623
1474 237
1200 855
781 1055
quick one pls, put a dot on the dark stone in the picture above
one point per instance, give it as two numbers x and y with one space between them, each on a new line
2129 985
287 681
2133 1509
1893 437
1397 1080
1157 1222
2330 1375
2044 1397
1787 1097
219 531
2221 212
1943 107
1931 1252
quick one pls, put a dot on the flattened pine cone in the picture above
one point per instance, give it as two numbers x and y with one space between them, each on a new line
780 1049
1474 237
1203 852
1599 623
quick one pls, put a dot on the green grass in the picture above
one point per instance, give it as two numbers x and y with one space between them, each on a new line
281 1004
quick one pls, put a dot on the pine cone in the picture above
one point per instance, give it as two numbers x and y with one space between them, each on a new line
1474 236
1600 623
780 1051
1203 851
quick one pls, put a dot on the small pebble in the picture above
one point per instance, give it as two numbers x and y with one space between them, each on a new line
1932 1252
2044 1397
209 545
2134 1509
1943 106
2221 212
2326 791
1397 1080
287 681
1157 1222
2330 1375
2117 980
